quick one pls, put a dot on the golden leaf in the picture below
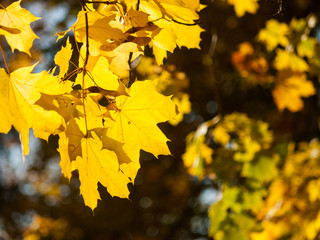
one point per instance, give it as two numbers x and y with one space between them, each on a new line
97 74
18 93
286 61
243 6
289 90
19 19
135 120
274 34
97 164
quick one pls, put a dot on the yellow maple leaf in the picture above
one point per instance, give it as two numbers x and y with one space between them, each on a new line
85 146
17 18
286 61
97 74
164 41
179 10
18 93
135 121
71 110
243 6
188 36
97 158
175 19
98 164
99 25
275 33
289 90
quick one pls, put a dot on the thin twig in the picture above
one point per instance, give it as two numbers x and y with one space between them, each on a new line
214 40
70 74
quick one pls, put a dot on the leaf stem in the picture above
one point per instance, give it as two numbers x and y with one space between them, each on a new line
83 4
5 60
76 42
87 41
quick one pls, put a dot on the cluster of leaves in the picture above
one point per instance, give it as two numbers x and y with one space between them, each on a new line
293 53
291 209
103 115
268 188
267 191
105 108
238 159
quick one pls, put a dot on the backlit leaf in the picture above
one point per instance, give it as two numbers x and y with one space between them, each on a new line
135 120
18 93
274 34
18 19
290 89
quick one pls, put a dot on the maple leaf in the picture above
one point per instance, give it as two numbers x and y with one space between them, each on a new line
171 35
99 165
289 90
85 147
241 7
178 10
275 33
97 74
188 36
286 61
168 15
18 93
135 121
19 19
95 163
100 28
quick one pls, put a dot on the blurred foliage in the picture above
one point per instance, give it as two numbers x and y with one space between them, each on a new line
251 137
265 171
